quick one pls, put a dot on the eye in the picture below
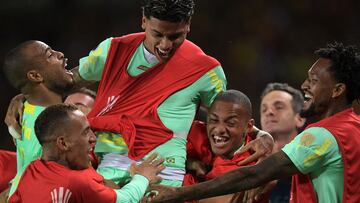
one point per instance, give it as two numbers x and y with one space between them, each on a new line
231 124
157 35
263 110
212 120
313 80
174 37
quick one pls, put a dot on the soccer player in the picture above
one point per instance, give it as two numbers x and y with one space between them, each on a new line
151 84
155 81
39 72
63 174
324 157
216 144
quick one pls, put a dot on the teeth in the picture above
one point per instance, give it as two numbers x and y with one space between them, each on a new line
69 72
218 139
307 97
163 52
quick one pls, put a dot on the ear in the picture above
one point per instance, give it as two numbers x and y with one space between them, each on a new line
250 125
338 90
189 25
299 121
143 22
61 143
34 76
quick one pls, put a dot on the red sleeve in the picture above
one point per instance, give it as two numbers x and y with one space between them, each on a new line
7 168
198 145
90 188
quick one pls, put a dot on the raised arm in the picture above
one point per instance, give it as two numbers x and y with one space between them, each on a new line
80 82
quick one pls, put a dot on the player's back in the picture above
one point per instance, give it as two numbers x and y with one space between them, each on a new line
51 182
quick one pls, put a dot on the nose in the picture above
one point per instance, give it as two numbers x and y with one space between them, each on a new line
59 54
92 138
219 129
165 44
305 85
269 112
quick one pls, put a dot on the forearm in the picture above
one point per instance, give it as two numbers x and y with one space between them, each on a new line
79 82
275 167
234 181
133 191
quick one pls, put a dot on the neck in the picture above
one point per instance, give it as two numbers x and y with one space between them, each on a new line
49 154
334 108
281 139
41 96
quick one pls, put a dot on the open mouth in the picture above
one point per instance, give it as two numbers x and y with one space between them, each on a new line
220 141
90 152
307 98
163 54
65 65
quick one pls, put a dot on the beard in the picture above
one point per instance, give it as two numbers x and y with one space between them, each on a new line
307 113
62 88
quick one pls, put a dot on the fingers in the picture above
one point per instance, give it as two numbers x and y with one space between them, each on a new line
150 158
156 179
250 159
158 161
132 169
244 149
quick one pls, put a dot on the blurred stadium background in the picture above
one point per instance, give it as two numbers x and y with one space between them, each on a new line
256 41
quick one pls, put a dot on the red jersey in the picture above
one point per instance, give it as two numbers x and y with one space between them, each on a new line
126 107
198 147
7 168
51 182
345 127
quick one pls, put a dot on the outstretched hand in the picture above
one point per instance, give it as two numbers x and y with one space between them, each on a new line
14 115
262 147
149 168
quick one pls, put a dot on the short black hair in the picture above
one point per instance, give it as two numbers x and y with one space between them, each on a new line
297 97
169 10
345 66
237 97
52 120
16 65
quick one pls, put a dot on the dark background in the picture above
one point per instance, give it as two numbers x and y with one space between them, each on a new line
256 41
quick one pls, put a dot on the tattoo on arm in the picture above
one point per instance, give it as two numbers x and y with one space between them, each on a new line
274 167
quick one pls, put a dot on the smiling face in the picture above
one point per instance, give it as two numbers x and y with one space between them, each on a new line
228 123
80 140
277 113
318 89
164 37
51 65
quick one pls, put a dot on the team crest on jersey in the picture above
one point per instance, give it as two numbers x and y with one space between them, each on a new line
60 195
109 105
